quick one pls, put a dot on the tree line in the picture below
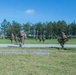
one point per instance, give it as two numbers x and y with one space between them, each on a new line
49 29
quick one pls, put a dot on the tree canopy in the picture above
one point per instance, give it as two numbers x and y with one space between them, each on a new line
49 29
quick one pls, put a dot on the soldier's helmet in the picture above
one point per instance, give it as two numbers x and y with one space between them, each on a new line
63 33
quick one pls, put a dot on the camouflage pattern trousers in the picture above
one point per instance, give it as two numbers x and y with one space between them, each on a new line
21 41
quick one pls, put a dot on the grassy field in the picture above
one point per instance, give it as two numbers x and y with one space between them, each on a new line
58 62
33 41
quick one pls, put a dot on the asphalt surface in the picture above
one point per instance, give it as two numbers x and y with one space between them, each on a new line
39 45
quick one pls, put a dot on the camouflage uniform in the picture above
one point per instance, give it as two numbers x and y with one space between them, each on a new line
11 37
62 39
43 38
40 38
21 38
36 38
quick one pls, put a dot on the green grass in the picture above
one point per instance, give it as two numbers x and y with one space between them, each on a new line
4 41
58 62
33 41
71 41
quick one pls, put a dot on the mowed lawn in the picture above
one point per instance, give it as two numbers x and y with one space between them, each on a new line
33 41
57 62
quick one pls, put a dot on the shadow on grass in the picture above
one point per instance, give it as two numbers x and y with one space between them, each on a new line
58 48
13 46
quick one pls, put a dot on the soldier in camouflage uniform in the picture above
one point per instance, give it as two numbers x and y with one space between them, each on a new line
36 38
42 38
62 39
21 37
12 37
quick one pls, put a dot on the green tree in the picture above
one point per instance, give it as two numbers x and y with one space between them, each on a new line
33 30
4 26
39 28
16 27
26 28
54 30
72 28
61 27
49 30
9 28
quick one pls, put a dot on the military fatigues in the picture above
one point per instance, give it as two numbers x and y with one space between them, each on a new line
21 38
11 37
62 39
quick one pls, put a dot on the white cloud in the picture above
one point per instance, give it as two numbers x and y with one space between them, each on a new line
30 11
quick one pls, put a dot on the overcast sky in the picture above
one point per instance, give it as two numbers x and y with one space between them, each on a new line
34 11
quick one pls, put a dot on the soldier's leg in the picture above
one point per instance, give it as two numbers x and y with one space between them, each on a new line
23 41
20 45
39 39
62 44
43 40
11 40
20 42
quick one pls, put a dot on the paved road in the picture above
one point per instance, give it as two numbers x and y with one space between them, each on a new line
39 45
